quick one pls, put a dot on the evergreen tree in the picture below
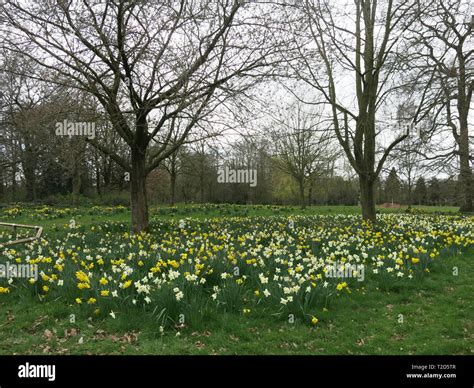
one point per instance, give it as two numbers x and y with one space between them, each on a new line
392 187
434 191
420 193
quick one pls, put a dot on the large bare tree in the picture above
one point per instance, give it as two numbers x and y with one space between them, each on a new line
443 58
145 62
349 53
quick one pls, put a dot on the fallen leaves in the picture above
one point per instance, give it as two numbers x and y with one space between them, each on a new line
360 342
37 323
127 338
48 334
199 345
72 332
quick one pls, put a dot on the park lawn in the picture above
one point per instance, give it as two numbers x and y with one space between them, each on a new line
162 212
431 316
438 318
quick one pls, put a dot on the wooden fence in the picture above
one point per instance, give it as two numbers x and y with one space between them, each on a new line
39 231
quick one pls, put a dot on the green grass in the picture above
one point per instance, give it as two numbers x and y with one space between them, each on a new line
82 217
437 312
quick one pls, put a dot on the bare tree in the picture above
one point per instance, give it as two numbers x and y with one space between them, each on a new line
26 114
443 58
173 165
302 144
348 52
408 154
145 63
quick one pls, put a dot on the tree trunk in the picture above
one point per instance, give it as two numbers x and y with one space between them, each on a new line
409 199
29 165
107 168
302 201
466 172
121 182
201 185
183 193
2 188
138 197
173 175
30 183
463 105
14 185
367 198
76 183
173 188
97 180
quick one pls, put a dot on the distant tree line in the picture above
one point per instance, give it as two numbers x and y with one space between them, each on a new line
38 167
160 82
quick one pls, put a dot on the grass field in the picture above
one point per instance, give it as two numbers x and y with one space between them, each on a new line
429 313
